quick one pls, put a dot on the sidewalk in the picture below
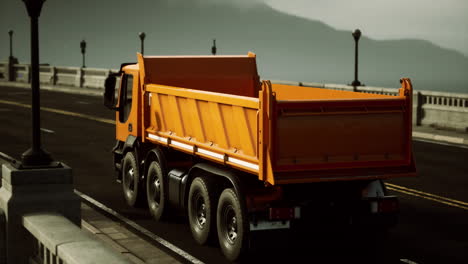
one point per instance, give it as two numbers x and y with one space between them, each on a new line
127 243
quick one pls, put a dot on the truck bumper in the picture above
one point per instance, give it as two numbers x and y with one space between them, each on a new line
369 213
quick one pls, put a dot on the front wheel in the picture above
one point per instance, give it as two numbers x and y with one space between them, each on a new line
231 225
131 184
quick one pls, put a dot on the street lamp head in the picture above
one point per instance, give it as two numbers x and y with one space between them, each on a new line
10 32
357 34
142 35
34 7
213 48
83 46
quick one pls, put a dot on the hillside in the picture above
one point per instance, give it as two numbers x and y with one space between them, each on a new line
287 47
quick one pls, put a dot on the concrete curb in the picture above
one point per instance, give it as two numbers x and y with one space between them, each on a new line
440 138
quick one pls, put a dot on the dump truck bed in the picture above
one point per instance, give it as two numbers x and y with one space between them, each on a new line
283 134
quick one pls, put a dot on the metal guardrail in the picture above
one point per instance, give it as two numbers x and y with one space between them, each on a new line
57 240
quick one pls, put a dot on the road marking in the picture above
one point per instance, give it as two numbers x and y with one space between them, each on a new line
428 196
47 130
142 230
17 93
408 261
63 112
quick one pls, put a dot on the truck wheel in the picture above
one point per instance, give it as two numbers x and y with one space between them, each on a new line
131 183
156 190
200 210
231 225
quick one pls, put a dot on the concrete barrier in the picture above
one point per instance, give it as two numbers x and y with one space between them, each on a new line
47 74
68 76
94 78
444 110
57 240
2 237
3 71
22 73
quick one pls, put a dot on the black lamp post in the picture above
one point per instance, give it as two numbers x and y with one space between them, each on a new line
213 48
83 51
11 42
142 36
356 35
35 156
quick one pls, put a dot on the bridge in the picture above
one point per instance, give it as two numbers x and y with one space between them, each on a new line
76 128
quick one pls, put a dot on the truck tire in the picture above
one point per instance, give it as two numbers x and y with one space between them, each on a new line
231 225
156 190
131 184
201 206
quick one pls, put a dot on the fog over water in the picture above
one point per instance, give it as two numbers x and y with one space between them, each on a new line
288 46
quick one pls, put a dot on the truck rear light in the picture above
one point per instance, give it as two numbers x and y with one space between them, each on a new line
284 213
388 205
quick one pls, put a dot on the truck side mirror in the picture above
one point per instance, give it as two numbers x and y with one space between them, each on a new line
109 92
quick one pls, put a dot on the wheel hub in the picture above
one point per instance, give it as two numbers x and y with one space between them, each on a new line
201 212
156 191
129 181
231 225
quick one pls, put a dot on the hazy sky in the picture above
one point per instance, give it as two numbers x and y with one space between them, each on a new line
443 22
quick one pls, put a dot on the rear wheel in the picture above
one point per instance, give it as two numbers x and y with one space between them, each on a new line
131 184
156 190
231 225
201 212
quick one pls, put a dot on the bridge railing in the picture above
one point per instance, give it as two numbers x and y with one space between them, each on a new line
22 73
57 240
3 71
437 109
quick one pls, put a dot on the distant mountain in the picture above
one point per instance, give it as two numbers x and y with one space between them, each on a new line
287 47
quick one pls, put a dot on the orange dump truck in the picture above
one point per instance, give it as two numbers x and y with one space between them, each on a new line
203 135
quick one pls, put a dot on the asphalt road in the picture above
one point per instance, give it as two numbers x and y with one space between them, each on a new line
428 232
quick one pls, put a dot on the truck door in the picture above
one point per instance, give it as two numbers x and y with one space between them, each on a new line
126 117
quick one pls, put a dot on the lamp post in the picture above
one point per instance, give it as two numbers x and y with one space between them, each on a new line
356 35
83 51
142 36
35 156
11 42
213 48
11 60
